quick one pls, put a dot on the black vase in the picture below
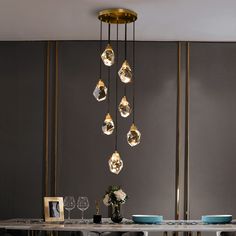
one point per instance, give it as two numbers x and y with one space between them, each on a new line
116 216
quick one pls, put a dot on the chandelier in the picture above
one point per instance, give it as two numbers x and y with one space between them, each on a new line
125 74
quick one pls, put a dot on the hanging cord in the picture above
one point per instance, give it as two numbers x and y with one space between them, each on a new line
125 41
109 73
134 72
125 52
117 58
108 88
100 49
109 33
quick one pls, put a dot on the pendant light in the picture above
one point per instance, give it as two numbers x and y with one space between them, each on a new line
100 91
108 125
115 162
124 107
108 58
134 135
124 74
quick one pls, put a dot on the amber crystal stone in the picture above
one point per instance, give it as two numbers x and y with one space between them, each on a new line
115 163
100 91
108 125
125 72
133 136
108 56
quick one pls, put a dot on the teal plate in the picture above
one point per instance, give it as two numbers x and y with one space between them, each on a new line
217 219
147 219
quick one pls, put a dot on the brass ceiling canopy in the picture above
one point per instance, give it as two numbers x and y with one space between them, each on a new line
117 15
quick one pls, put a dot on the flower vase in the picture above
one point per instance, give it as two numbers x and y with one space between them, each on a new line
116 216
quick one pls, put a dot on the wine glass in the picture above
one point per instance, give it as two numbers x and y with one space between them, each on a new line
83 205
69 204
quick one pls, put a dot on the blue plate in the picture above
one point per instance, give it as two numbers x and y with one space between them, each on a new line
217 219
147 219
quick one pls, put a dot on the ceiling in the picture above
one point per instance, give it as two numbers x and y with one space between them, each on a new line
158 20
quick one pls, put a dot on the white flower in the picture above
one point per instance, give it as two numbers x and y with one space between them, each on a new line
106 200
120 195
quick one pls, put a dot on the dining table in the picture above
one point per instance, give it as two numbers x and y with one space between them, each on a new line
33 226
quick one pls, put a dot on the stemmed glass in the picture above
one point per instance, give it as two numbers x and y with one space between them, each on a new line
69 204
83 205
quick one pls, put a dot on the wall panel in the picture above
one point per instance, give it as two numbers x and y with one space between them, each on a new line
21 128
148 174
212 129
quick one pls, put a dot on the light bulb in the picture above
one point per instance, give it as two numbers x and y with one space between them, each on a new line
125 72
108 56
133 136
124 107
108 125
115 163
100 91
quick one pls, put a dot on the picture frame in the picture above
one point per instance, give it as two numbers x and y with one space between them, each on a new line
53 209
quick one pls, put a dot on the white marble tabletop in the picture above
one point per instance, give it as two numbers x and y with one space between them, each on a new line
107 226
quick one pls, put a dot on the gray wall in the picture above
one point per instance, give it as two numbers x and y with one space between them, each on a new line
213 129
21 128
148 174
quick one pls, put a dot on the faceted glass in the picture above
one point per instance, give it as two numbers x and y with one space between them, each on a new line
115 163
100 91
133 136
124 107
108 56
108 125
125 72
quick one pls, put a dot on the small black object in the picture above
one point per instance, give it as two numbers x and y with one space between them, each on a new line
97 219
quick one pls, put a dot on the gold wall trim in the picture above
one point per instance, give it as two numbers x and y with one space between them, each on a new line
56 121
46 120
178 135
51 98
186 145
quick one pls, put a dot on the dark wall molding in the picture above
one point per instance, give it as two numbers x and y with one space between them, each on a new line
186 138
178 134
182 133
46 121
51 106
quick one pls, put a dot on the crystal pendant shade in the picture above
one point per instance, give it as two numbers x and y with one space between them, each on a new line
125 72
133 136
124 107
115 163
108 56
108 125
100 91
